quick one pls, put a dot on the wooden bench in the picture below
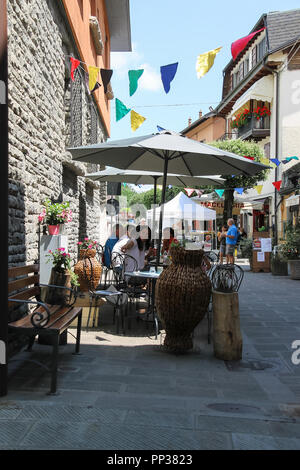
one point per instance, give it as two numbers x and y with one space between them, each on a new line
46 321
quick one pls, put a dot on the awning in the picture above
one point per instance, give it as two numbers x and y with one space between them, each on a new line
262 90
292 201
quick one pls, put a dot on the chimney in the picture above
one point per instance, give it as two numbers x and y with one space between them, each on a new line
189 121
200 114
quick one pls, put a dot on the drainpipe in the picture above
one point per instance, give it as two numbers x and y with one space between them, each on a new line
276 73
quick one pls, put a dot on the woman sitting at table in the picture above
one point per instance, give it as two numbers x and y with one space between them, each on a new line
137 247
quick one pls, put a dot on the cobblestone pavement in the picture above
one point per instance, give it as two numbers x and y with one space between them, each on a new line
125 393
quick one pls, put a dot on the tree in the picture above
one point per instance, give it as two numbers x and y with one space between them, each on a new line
241 148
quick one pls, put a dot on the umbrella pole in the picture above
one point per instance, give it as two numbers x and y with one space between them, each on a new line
154 201
163 196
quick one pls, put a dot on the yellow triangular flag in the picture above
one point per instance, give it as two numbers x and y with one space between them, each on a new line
206 61
258 188
136 120
93 74
265 161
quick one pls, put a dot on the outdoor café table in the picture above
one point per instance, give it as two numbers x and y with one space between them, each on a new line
152 276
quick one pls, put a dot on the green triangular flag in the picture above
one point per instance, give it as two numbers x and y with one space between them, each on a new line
134 75
220 192
121 110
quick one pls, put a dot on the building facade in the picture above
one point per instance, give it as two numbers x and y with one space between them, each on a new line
207 128
266 74
49 112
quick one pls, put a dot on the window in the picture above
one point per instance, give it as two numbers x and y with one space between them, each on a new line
246 66
76 110
261 48
267 150
241 72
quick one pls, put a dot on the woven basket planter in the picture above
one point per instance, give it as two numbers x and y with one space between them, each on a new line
182 296
58 296
88 270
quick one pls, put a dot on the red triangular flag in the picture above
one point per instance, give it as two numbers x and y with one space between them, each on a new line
249 158
277 184
189 191
75 63
240 44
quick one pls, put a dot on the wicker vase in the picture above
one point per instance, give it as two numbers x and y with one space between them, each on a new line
182 296
88 270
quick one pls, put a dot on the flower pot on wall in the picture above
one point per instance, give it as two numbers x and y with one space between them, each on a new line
88 269
183 292
294 268
53 229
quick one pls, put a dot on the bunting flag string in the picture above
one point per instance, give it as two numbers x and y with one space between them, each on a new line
93 75
220 192
134 76
258 188
106 75
136 120
239 190
121 110
74 64
276 161
168 73
189 191
240 44
206 61
277 184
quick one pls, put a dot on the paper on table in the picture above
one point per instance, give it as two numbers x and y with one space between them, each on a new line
260 256
266 244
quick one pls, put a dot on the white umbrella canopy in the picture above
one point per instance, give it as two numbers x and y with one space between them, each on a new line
116 175
166 152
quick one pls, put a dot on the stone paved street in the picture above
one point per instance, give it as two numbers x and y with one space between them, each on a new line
124 393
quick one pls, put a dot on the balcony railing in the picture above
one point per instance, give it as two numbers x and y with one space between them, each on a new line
255 128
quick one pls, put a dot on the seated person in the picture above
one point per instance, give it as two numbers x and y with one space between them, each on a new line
167 239
117 249
137 248
109 245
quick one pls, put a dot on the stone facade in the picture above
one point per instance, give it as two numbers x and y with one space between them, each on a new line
41 109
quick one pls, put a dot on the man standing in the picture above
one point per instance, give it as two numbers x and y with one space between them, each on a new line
231 239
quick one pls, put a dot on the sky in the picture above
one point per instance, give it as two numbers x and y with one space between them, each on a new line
168 31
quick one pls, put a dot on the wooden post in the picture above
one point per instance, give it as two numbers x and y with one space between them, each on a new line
227 338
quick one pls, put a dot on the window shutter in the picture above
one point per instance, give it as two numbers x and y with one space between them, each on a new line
254 56
241 71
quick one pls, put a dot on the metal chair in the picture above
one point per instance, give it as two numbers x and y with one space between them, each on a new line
115 297
122 263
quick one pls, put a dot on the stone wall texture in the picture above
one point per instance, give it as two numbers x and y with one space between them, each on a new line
40 109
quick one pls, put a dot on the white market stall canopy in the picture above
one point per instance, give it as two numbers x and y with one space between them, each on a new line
182 208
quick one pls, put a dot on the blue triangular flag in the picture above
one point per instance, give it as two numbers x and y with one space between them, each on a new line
160 128
239 190
276 161
220 192
284 161
168 73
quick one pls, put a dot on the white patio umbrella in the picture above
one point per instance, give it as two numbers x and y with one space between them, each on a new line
166 152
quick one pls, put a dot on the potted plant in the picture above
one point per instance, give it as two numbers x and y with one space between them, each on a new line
290 250
247 250
88 268
54 215
279 266
61 276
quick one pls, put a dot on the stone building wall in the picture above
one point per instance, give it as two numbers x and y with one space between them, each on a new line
40 108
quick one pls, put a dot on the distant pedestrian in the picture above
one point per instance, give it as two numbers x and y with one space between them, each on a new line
231 239
222 239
